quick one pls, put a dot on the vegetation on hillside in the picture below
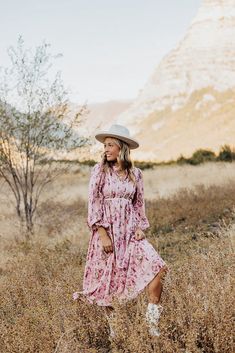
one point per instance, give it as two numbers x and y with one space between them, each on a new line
226 154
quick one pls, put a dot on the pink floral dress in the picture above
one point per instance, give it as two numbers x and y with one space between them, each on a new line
117 204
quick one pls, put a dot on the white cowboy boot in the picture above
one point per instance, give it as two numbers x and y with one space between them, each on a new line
111 330
152 316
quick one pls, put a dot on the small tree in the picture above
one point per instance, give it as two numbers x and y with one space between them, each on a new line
35 122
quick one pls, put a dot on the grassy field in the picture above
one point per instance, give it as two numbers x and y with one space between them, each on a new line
192 216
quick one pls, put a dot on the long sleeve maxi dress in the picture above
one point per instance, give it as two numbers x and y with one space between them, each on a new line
117 205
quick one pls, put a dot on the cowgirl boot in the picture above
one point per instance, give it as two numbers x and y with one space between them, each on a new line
109 319
152 317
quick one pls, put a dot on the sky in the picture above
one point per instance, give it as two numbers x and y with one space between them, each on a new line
110 47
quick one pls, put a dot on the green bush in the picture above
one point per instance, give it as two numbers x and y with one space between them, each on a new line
182 160
201 156
90 162
226 154
144 165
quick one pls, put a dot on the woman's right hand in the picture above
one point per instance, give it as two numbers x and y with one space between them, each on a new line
105 240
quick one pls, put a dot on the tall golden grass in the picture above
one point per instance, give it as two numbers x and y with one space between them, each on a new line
193 230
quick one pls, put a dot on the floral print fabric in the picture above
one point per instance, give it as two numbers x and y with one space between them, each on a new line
117 204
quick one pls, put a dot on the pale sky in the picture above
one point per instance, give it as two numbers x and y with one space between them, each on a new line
109 47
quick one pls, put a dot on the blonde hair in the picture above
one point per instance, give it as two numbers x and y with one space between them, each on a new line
124 159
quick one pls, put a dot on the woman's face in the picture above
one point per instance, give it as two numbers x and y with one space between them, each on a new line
111 149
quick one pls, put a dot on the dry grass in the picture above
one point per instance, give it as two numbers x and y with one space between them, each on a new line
163 181
194 232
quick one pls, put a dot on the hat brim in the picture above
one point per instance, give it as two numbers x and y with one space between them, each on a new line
131 142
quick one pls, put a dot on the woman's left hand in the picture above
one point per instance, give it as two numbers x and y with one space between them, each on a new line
139 234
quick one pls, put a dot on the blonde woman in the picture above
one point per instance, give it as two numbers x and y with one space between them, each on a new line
120 262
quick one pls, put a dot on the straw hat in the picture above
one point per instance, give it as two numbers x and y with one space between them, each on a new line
120 132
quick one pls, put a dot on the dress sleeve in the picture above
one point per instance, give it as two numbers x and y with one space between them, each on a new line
139 203
96 215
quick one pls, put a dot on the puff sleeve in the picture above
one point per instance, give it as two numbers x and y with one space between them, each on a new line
96 213
139 203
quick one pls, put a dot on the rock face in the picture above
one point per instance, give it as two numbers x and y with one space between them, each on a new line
189 101
100 114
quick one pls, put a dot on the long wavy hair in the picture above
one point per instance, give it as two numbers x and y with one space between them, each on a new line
124 159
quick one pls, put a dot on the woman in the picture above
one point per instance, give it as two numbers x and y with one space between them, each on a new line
120 261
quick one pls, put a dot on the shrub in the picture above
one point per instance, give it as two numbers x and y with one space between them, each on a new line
144 165
89 162
201 156
226 154
182 160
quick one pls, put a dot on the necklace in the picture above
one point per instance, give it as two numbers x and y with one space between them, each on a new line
120 173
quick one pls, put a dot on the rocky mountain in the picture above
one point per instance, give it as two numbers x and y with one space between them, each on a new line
100 114
188 102
97 116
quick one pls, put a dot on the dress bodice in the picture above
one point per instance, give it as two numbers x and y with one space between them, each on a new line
115 186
